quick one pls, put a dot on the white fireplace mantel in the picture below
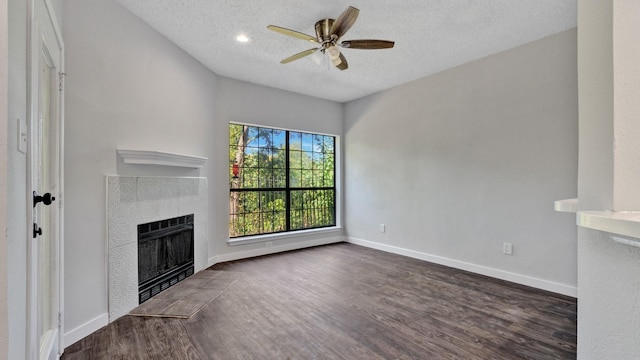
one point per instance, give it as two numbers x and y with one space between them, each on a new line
152 157
623 223
626 223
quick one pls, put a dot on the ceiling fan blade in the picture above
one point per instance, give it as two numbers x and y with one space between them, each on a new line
344 22
293 33
367 44
343 63
299 55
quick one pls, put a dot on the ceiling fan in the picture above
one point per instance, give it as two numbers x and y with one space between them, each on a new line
328 34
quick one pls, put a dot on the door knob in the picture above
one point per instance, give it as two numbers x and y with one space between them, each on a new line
46 199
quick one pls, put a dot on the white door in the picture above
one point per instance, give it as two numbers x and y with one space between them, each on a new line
45 165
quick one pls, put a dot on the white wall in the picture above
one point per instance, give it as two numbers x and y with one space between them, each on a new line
129 87
457 163
4 81
609 86
17 181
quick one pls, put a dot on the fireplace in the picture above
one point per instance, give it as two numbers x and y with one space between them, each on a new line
135 200
165 254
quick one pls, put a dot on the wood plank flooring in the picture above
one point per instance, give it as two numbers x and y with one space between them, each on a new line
344 301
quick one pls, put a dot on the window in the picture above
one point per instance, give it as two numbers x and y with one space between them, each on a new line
279 180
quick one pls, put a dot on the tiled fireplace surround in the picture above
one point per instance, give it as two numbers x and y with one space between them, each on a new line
137 200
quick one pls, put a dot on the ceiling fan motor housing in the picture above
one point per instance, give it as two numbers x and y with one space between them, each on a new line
323 32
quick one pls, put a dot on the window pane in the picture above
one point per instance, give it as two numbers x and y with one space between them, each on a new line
279 159
328 175
296 220
233 203
318 178
279 178
233 152
264 137
249 178
252 223
252 136
279 221
264 157
307 142
265 178
235 226
249 157
278 139
318 143
267 222
235 132
296 200
248 202
306 178
317 210
306 160
329 144
295 178
279 200
318 160
295 159
295 140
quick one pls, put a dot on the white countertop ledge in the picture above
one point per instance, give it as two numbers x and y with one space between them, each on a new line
567 205
152 157
625 223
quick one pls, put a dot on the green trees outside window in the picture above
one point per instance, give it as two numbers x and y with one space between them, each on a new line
279 180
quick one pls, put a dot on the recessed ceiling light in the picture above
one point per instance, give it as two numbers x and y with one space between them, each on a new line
242 38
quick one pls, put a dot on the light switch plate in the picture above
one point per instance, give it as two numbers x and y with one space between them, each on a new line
22 136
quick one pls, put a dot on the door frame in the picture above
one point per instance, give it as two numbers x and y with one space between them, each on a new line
35 42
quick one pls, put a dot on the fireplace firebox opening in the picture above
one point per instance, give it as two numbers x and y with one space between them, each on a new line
165 255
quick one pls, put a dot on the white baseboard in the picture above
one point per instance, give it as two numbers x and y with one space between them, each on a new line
273 249
86 329
479 269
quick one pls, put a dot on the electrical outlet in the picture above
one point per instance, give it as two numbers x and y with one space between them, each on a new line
268 244
507 248
382 228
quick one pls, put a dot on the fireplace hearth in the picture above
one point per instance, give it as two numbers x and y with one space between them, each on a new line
165 255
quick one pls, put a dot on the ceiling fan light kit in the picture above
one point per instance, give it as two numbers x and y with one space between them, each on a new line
328 34
333 52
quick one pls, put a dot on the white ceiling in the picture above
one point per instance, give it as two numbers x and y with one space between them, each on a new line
430 36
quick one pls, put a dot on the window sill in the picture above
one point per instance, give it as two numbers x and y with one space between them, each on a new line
281 236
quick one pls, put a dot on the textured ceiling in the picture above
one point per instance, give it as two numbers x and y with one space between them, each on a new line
430 36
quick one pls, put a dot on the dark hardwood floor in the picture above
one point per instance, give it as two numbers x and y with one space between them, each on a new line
344 301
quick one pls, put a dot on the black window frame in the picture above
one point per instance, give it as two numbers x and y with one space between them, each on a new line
288 189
